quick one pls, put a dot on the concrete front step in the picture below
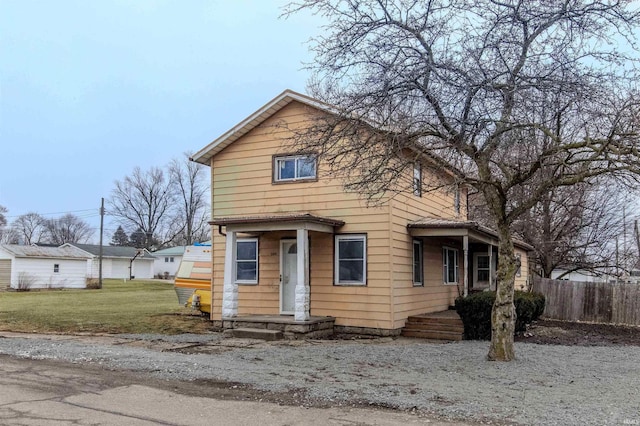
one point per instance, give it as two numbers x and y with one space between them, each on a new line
254 333
431 334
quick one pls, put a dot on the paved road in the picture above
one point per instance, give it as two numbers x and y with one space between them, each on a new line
36 392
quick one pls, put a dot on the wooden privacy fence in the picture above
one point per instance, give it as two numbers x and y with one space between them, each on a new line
594 302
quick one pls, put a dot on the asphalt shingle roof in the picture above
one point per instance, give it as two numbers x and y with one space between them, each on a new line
67 252
112 251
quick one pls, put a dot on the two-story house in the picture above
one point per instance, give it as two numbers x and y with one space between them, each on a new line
289 241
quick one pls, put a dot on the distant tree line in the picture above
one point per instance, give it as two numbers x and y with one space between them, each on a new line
154 208
33 228
161 206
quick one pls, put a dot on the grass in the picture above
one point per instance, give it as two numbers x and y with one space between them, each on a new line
119 307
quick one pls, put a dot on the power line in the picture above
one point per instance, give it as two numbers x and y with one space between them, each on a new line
95 210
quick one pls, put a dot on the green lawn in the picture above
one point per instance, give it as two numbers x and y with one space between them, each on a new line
119 307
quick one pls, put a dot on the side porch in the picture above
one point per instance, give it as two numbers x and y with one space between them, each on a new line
479 252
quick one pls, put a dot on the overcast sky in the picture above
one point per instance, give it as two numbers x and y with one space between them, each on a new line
91 89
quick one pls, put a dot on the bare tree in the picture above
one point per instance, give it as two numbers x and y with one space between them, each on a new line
145 200
30 227
67 229
3 219
191 191
571 227
481 85
5 234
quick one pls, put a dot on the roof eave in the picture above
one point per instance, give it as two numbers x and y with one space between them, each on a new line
204 155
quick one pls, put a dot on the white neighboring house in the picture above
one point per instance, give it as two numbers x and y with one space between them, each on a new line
116 261
580 275
167 260
25 267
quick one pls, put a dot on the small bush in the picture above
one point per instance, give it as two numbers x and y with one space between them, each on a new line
475 311
25 281
92 284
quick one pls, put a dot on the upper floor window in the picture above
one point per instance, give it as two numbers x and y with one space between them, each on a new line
56 267
294 167
456 200
417 179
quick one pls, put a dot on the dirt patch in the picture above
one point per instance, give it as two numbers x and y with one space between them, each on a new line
551 332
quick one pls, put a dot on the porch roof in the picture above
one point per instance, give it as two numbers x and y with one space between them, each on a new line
277 222
435 226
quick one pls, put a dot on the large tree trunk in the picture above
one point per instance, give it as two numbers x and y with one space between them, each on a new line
503 315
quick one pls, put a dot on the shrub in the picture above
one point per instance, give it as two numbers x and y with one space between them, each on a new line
475 311
25 281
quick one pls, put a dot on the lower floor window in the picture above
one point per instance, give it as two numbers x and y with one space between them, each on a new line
418 268
56 267
450 265
247 261
350 259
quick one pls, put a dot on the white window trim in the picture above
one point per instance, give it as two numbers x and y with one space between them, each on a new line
235 261
336 259
445 266
296 158
475 268
421 264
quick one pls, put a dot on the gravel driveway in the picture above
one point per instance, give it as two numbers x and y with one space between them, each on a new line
547 384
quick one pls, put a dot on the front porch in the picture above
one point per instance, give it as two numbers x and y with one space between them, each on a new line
271 255
275 327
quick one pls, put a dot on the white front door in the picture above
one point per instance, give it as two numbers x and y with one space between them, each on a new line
288 275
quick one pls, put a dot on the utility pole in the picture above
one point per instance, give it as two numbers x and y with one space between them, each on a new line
100 248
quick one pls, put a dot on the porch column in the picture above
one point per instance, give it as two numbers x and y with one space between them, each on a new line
490 253
302 290
465 251
230 288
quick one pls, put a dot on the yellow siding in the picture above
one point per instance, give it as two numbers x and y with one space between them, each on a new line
241 182
242 186
522 282
434 295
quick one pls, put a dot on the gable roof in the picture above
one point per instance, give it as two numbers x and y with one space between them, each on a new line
171 251
270 108
65 252
274 105
111 251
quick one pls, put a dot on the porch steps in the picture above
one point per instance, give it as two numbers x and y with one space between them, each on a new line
445 325
254 333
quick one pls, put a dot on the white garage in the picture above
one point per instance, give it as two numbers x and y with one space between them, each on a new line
31 267
117 261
